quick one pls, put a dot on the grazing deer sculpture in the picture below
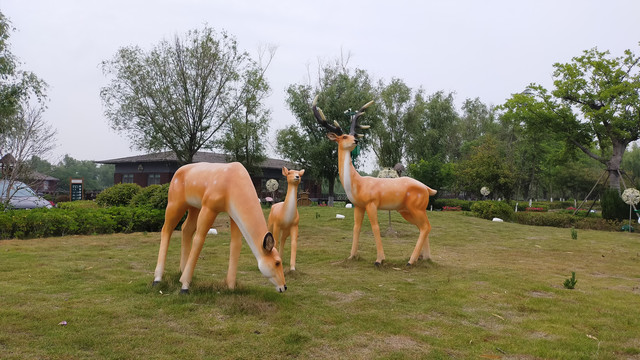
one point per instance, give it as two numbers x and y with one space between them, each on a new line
205 190
284 217
406 195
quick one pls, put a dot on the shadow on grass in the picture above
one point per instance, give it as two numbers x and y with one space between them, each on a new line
387 265
239 301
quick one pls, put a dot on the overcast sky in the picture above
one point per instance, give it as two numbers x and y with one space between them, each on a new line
485 49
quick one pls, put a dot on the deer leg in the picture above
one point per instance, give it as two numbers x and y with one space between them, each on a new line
422 245
372 211
205 220
294 246
358 216
172 216
188 229
234 254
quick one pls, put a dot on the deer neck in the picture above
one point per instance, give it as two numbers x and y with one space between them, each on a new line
290 203
250 221
348 174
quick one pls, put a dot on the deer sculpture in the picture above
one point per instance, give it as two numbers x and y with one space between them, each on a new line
284 217
204 190
406 195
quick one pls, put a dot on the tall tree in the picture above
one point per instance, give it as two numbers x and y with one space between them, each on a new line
18 88
339 88
596 100
243 140
486 166
397 111
28 136
433 133
180 94
23 131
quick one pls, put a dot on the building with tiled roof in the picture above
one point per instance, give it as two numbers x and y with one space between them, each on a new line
158 168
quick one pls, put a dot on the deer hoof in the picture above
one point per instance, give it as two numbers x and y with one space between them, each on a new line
184 291
408 264
154 283
378 263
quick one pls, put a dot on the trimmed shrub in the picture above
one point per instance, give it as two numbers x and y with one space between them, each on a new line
80 204
564 220
59 222
152 196
613 207
439 204
118 195
490 209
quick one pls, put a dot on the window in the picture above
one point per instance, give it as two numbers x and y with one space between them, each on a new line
154 179
127 178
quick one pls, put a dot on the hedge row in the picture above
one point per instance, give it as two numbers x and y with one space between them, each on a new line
78 221
565 220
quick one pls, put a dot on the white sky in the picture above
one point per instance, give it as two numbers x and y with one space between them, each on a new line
485 49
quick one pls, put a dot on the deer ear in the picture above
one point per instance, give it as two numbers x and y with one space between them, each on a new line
332 136
285 171
268 243
301 172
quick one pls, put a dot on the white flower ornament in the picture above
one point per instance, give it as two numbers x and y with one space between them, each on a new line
631 196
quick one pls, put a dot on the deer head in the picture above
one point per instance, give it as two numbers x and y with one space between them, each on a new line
293 176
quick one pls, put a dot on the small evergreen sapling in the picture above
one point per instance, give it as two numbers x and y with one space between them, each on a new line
571 283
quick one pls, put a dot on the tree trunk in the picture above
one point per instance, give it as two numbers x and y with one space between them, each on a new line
613 165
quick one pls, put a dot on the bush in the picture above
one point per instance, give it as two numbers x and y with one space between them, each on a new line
78 221
490 209
153 197
439 204
80 204
566 220
118 195
613 207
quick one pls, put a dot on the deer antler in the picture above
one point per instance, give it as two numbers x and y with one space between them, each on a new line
322 120
354 120
335 128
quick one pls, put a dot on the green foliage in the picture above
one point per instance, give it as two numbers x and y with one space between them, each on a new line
492 209
593 105
439 203
118 195
152 196
613 207
432 132
245 131
574 234
390 131
571 282
434 172
566 220
145 98
339 89
79 204
95 177
485 166
71 220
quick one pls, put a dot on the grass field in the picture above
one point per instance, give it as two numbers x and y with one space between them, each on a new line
493 290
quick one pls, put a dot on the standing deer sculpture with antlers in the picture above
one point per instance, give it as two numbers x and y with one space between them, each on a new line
406 195
205 190
283 218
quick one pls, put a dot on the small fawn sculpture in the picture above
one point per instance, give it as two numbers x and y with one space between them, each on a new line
406 195
205 190
284 217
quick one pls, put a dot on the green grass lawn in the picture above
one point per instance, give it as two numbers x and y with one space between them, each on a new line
493 290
